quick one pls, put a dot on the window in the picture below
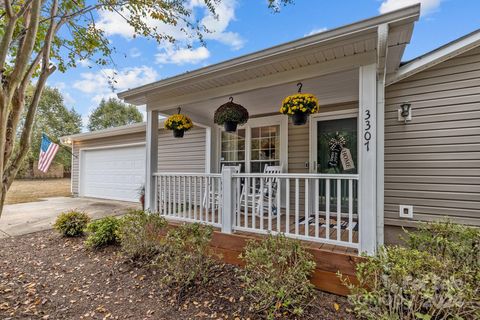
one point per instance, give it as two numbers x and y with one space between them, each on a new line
265 147
256 145
233 149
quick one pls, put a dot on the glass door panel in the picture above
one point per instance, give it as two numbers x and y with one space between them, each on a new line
233 149
265 147
337 153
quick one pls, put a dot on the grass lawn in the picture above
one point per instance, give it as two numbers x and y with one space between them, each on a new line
33 190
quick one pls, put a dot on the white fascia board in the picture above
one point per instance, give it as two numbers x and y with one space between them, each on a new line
131 128
137 95
117 131
437 56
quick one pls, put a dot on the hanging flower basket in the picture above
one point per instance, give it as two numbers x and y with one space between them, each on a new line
178 123
299 106
230 115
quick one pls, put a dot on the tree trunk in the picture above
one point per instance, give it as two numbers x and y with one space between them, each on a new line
3 196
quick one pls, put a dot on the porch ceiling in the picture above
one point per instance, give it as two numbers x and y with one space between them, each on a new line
329 52
330 89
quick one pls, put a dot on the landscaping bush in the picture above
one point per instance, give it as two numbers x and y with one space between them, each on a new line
102 232
140 234
277 273
72 223
435 277
186 260
446 240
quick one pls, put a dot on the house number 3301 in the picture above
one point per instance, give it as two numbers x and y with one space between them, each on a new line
367 135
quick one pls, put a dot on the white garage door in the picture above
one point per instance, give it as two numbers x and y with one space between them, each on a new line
113 173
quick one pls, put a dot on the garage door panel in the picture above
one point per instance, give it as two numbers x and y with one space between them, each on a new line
113 173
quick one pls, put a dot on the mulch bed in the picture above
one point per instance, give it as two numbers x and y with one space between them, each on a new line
45 276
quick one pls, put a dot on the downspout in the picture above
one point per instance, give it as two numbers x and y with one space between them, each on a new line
382 51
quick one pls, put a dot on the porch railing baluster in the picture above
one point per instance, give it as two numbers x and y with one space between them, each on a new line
307 209
317 221
339 209
297 205
287 206
327 209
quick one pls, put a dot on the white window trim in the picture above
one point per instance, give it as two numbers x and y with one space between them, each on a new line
280 120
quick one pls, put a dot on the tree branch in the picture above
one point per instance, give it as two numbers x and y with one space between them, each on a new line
6 41
25 51
8 8
19 98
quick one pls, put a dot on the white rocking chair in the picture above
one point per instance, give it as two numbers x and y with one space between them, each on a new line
260 195
213 196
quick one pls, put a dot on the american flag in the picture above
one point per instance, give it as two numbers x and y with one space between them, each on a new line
48 150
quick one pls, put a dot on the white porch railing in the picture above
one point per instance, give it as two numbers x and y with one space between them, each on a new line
313 207
190 197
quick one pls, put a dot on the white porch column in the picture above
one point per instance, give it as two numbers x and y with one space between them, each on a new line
228 203
368 158
152 158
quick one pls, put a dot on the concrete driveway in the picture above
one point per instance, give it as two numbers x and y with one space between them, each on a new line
23 218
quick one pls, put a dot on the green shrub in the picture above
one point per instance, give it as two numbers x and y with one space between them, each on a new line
446 240
140 234
426 280
71 223
277 273
102 232
186 260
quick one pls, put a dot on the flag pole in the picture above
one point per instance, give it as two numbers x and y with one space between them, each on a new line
62 146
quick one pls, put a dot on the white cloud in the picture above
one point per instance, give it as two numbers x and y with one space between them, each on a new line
83 62
427 6
97 85
67 97
182 56
315 31
217 25
135 53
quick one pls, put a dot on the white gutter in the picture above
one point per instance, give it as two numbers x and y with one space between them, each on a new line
382 52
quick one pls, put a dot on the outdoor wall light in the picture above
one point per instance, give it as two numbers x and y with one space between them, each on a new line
66 141
405 112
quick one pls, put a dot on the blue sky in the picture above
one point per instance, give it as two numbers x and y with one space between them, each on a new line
246 26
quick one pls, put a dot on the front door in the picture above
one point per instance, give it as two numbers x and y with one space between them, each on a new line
335 151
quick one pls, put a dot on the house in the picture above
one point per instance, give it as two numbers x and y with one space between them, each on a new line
421 164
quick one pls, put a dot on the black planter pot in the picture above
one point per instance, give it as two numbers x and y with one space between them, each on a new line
299 119
178 133
230 126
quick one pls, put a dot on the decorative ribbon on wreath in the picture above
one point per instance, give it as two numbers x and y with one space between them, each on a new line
339 153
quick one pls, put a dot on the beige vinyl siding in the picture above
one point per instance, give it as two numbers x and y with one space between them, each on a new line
433 162
182 155
96 143
174 155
